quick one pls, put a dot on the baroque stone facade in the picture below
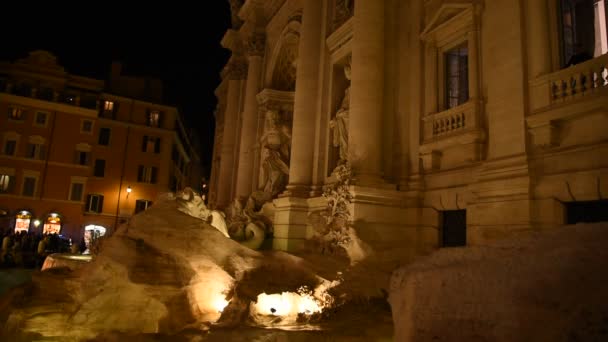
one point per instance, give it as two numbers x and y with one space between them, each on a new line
452 106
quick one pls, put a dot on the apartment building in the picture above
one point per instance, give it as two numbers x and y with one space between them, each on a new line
80 154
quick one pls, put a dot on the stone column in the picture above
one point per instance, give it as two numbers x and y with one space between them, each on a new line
249 120
235 74
306 100
367 89
537 29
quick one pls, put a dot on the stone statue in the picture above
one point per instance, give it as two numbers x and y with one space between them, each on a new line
340 122
276 144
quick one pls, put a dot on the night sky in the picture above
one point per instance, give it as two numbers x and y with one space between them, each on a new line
176 42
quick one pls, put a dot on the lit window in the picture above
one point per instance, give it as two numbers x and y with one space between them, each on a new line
5 183
154 118
76 191
141 205
108 106
29 186
41 118
109 109
457 79
15 114
94 203
10 147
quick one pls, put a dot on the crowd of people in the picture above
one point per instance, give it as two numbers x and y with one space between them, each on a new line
28 249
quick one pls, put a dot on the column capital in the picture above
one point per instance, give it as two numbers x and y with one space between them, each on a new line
256 44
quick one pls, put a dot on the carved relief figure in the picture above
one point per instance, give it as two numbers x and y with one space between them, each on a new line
276 144
339 123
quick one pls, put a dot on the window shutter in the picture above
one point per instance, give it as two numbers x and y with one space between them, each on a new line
31 151
153 175
100 204
157 145
115 110
161 116
88 204
11 184
42 155
144 145
148 122
140 172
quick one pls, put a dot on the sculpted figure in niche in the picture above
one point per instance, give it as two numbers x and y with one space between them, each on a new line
339 123
276 144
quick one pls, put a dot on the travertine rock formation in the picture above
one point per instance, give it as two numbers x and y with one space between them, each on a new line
549 286
165 272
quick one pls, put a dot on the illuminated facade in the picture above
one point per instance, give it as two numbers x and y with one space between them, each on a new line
72 146
463 120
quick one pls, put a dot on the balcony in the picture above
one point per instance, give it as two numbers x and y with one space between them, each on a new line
576 93
459 127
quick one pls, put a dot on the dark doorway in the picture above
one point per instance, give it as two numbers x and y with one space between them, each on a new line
586 211
453 228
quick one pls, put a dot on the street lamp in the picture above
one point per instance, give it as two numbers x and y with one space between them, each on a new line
129 191
36 223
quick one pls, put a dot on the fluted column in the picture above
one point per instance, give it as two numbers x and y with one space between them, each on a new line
306 100
235 74
249 121
367 88
537 27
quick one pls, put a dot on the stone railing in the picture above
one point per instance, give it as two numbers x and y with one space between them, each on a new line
580 79
570 83
454 120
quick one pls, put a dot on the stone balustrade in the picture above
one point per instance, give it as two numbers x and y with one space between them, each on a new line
579 80
570 83
450 121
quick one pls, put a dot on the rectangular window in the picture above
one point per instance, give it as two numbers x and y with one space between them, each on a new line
10 147
583 30
154 118
82 158
454 228
108 106
104 136
150 144
35 151
6 184
94 204
29 186
141 205
87 126
147 174
100 168
15 114
76 192
41 119
456 76
109 109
